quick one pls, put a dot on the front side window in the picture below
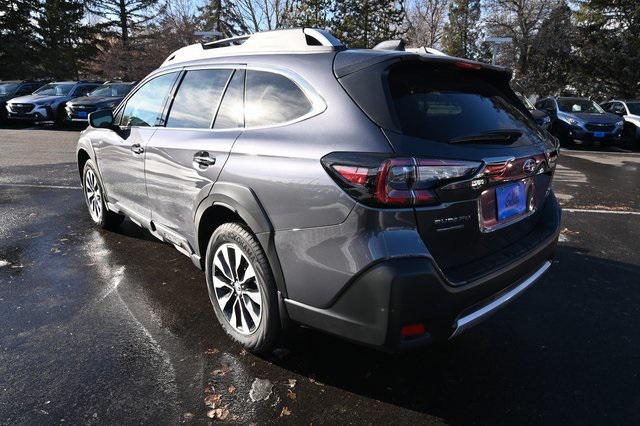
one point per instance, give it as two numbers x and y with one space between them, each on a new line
443 103
55 89
579 105
197 99
273 99
144 108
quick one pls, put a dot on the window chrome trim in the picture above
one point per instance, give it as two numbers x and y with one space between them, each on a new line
318 104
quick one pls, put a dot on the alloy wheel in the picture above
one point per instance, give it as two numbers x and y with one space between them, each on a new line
93 195
236 288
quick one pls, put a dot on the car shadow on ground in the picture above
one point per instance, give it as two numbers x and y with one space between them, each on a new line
556 354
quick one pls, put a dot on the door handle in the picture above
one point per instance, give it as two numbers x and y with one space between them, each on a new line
137 149
203 160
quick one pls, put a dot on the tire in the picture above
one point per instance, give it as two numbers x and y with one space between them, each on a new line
61 118
234 296
561 134
94 198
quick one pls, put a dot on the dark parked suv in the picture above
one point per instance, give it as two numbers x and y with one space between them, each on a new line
107 96
581 119
386 197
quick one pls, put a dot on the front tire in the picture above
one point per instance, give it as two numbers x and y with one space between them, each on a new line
241 288
94 198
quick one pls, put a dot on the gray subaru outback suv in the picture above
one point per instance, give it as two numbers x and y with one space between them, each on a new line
386 197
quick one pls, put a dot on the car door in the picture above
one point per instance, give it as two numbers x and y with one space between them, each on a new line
120 152
185 157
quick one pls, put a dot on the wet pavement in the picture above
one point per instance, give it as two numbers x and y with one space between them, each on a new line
115 327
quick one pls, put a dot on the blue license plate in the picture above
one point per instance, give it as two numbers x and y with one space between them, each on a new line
599 134
512 200
82 114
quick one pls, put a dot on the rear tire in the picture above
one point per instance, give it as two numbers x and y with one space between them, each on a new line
94 198
241 288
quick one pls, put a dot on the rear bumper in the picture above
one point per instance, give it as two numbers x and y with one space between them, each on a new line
398 292
588 136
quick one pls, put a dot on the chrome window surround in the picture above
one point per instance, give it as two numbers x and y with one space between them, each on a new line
318 104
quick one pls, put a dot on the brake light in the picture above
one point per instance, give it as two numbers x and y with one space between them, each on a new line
468 66
394 181
354 174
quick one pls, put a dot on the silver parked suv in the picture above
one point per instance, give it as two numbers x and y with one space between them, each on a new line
386 197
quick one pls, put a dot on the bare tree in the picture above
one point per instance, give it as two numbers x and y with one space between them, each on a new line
426 20
521 20
262 15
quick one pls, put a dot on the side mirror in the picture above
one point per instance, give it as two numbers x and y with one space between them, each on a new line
101 119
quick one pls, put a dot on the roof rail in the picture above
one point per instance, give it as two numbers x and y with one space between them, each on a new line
299 40
390 45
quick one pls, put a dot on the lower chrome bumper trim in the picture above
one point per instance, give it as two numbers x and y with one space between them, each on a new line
468 320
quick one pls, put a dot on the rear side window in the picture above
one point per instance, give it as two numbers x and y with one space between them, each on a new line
197 99
144 107
273 99
441 103
231 112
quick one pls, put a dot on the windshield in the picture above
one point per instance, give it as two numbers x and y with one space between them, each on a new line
7 88
444 103
55 89
634 108
111 90
579 105
525 101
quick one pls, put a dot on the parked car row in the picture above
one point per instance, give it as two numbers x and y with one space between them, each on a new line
59 102
580 119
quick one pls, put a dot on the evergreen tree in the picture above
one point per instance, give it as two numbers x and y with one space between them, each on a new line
550 58
608 47
127 17
365 23
462 31
308 14
65 39
223 16
17 38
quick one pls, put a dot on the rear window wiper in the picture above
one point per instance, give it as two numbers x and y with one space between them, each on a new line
496 136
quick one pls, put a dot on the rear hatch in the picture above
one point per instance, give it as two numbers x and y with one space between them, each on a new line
487 205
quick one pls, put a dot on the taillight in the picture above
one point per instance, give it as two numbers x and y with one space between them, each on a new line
380 181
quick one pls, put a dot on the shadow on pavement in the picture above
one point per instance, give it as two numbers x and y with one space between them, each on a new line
566 351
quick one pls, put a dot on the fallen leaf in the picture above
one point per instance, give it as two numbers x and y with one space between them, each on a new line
291 394
222 413
292 383
221 371
211 414
212 400
285 412
232 389
211 351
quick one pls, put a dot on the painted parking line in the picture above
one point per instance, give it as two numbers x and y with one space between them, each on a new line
623 212
33 185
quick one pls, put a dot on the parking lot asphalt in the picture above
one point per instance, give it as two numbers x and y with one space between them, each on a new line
116 327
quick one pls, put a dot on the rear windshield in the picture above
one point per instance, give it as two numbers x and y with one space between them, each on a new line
442 103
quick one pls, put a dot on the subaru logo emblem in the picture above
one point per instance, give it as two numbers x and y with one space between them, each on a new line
529 166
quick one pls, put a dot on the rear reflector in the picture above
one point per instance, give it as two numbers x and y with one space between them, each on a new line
413 330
